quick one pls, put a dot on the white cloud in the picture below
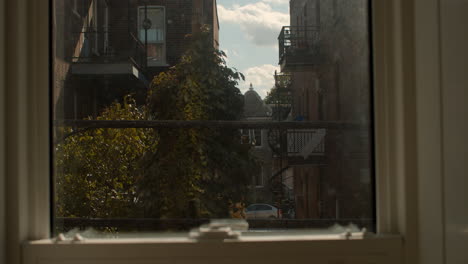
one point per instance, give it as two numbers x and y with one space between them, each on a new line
258 21
277 2
261 77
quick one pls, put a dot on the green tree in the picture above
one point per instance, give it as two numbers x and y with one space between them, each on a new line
97 170
207 165
172 173
279 98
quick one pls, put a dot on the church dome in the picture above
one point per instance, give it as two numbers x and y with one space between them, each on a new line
254 105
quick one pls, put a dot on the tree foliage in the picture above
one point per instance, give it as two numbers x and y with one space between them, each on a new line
209 166
280 100
280 93
164 173
97 170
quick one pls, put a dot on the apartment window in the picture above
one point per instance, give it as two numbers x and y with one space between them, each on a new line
177 146
256 137
42 252
252 137
152 32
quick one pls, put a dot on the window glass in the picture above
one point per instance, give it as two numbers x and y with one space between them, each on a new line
170 113
151 24
151 32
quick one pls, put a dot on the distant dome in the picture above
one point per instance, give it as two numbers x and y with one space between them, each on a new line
254 105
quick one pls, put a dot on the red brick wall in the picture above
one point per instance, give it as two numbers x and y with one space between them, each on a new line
344 76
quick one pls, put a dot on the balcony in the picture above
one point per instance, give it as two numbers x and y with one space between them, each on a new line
104 52
298 48
300 146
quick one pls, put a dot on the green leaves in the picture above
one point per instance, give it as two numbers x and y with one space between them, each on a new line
97 170
200 163
162 173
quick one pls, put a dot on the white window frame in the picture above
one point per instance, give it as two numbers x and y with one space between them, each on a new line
399 124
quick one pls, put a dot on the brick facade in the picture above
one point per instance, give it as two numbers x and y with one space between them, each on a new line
333 85
104 36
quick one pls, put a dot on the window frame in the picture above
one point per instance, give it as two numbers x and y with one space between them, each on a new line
163 62
27 187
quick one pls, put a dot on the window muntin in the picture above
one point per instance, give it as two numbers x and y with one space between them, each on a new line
308 142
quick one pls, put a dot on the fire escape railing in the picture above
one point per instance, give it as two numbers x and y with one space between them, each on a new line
138 52
95 48
306 142
297 142
283 80
293 39
281 96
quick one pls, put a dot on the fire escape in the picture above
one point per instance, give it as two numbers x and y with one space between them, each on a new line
298 47
110 46
291 147
298 51
109 59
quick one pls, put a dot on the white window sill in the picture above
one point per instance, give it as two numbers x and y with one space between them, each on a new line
317 249
184 239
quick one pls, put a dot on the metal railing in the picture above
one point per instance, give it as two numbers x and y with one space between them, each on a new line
297 142
138 52
94 47
283 81
306 142
292 40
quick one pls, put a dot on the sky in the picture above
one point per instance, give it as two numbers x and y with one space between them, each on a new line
248 35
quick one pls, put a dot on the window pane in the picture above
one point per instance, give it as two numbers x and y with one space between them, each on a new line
169 114
152 33
151 20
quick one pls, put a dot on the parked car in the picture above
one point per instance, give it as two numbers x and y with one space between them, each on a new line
262 211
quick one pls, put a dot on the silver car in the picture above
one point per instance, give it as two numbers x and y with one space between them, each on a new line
262 211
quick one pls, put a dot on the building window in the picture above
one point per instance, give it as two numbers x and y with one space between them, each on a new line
152 32
252 137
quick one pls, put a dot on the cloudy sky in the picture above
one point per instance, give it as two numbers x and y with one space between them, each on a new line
248 35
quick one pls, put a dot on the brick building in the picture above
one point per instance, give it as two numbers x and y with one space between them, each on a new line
325 52
105 49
